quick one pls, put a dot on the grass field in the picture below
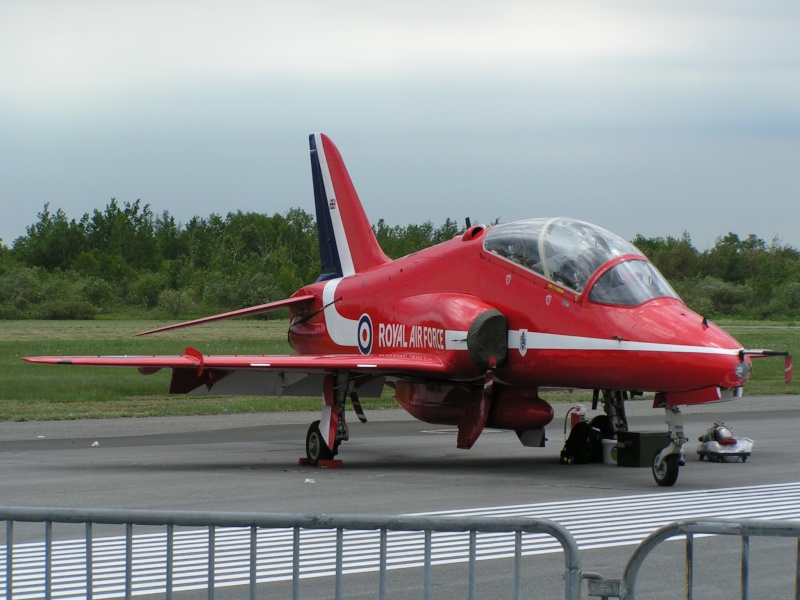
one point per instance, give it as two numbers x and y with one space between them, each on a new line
40 392
43 392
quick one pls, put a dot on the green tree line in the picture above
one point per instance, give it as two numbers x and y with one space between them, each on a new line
737 277
125 260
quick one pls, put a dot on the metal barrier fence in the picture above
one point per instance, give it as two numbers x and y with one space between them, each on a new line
745 529
297 525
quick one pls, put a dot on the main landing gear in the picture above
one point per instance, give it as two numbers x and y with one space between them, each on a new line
324 436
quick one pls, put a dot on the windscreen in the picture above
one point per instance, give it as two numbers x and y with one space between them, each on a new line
630 283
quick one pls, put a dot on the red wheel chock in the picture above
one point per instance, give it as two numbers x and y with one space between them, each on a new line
333 463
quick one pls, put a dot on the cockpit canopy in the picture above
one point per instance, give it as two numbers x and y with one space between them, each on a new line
568 252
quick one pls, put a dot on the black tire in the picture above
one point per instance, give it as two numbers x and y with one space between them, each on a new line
316 448
667 475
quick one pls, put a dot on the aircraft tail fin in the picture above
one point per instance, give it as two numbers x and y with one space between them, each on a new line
347 244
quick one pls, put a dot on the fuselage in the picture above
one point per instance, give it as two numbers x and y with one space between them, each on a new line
564 331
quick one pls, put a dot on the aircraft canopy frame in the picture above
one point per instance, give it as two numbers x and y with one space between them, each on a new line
568 252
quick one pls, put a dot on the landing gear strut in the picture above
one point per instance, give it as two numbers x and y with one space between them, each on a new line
614 406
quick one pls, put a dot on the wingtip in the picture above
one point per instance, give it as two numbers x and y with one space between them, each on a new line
47 360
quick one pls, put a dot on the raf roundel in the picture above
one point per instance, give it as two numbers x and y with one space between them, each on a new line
365 334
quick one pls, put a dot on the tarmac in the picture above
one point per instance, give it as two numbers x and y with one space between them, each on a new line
124 427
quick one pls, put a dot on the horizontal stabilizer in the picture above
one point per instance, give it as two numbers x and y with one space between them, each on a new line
244 312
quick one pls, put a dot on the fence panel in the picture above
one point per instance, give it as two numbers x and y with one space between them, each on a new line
745 529
232 543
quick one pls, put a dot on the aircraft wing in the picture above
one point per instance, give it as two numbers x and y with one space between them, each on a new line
269 375
408 364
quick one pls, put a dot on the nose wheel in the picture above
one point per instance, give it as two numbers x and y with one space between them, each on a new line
666 463
666 473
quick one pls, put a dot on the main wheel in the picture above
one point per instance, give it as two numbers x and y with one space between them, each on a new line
667 474
316 448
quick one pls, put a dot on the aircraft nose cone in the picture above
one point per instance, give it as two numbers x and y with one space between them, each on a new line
712 356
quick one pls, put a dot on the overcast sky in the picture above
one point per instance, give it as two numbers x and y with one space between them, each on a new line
644 117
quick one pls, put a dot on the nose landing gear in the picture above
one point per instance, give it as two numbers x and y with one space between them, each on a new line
666 463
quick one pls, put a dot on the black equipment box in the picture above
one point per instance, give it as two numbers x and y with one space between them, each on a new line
637 449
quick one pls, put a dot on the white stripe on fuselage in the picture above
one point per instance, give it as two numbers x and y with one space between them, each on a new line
344 332
550 341
342 243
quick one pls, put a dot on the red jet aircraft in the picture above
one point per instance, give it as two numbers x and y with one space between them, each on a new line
467 332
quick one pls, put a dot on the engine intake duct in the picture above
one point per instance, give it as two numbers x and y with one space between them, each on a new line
488 338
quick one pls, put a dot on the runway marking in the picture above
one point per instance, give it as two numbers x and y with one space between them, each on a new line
625 521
